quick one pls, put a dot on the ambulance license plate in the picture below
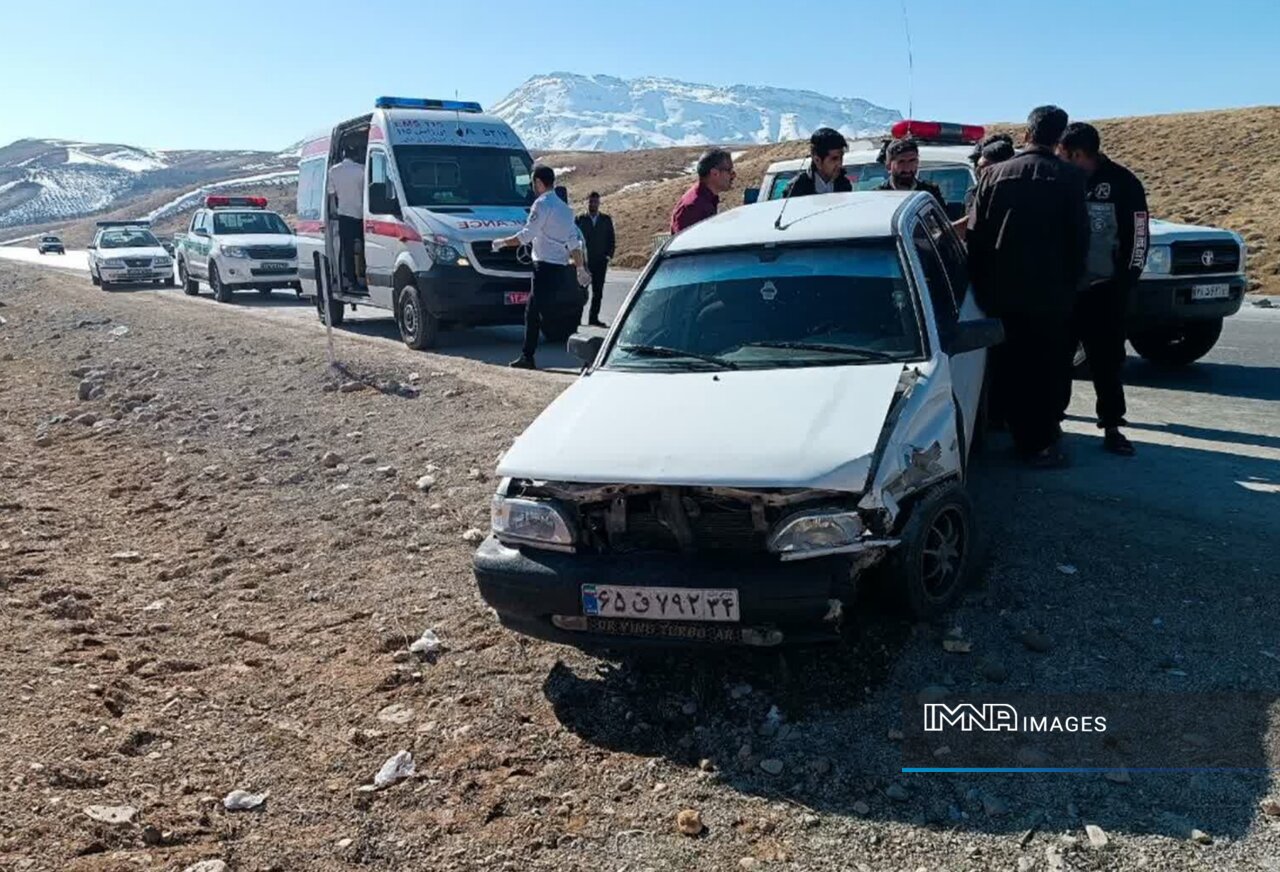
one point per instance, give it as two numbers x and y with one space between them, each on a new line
1210 292
517 298
659 603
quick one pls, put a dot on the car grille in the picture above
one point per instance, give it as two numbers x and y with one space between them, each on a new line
504 261
1189 258
719 525
272 252
137 262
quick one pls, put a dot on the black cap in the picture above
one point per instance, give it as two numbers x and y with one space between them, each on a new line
899 147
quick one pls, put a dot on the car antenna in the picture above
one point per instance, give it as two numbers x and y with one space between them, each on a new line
911 67
777 223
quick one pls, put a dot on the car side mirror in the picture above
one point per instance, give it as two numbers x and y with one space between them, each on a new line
382 199
750 195
973 335
200 232
585 348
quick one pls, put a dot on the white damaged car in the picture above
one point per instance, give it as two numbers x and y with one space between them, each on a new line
788 398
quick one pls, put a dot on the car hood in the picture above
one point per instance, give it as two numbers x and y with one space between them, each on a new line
138 251
257 240
779 428
479 224
1164 232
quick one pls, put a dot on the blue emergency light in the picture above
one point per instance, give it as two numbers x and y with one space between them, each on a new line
420 103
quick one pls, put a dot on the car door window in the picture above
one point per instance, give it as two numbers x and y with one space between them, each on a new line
951 252
377 179
935 276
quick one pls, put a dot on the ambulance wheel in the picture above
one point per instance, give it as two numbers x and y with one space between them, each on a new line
221 292
418 328
190 286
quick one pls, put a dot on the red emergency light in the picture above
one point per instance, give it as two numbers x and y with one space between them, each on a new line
213 201
938 131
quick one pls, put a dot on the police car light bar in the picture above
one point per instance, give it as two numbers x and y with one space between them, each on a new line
420 103
141 222
213 201
937 131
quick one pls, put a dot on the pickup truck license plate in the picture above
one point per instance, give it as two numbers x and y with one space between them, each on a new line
517 298
1210 292
275 266
659 603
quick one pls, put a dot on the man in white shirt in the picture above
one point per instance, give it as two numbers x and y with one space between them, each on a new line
346 184
556 244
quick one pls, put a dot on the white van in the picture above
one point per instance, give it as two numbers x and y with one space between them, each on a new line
442 181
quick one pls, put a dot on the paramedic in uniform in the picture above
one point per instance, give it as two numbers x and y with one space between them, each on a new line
346 184
1117 206
557 249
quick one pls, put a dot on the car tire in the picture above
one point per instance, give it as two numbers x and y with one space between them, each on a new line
418 328
221 292
169 282
94 280
190 286
558 328
1179 345
938 550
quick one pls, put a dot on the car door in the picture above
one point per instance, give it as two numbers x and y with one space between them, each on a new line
198 245
381 238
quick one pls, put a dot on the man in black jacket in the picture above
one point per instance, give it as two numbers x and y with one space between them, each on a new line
902 160
597 232
825 174
1118 237
1028 237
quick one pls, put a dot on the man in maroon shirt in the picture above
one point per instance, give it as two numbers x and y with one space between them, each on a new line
715 177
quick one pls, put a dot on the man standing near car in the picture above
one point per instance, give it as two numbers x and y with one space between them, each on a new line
1028 238
902 160
597 231
555 244
702 200
1118 237
346 184
825 174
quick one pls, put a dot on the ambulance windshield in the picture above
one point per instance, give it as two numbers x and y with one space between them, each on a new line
463 177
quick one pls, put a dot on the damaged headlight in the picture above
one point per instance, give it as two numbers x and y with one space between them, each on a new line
530 522
812 534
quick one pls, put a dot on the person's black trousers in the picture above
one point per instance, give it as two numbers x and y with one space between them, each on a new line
1033 374
598 271
549 282
349 230
1099 324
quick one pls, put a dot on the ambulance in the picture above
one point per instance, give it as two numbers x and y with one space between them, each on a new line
442 180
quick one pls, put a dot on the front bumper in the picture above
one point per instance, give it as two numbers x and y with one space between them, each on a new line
535 591
1167 300
129 275
242 272
463 296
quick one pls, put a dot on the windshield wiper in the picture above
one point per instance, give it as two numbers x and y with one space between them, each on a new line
664 351
869 353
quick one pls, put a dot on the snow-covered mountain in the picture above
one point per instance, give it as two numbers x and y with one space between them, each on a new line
43 180
570 112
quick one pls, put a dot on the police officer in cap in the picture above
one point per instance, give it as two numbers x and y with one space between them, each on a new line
902 159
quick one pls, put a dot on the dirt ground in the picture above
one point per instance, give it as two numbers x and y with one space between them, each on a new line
214 558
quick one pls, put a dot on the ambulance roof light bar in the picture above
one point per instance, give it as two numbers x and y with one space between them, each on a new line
938 131
421 103
216 201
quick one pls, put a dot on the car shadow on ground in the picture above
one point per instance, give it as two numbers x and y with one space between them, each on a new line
492 345
1213 434
1208 377
1109 583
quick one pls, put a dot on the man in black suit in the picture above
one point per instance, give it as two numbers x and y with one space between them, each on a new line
597 231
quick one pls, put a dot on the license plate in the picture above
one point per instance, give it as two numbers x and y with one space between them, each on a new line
138 274
1210 292
517 298
659 603
275 266
675 630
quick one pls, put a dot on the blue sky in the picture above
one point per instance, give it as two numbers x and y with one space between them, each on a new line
237 74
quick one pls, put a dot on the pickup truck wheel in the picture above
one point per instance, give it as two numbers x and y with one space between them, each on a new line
190 286
938 550
1178 345
93 278
418 328
221 292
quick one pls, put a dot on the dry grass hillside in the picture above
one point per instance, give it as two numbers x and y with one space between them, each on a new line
1219 168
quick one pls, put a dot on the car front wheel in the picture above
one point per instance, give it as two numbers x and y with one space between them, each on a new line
221 292
1178 345
937 554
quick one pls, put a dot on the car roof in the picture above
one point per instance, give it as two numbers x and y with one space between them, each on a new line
858 156
859 215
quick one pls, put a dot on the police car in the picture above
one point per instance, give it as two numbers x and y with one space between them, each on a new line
234 244
126 252
789 396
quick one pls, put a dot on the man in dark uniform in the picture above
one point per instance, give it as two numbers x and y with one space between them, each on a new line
825 174
1028 238
902 160
1118 237
597 232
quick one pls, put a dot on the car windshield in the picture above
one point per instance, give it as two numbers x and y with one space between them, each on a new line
460 177
771 307
249 222
127 239
49 239
953 179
